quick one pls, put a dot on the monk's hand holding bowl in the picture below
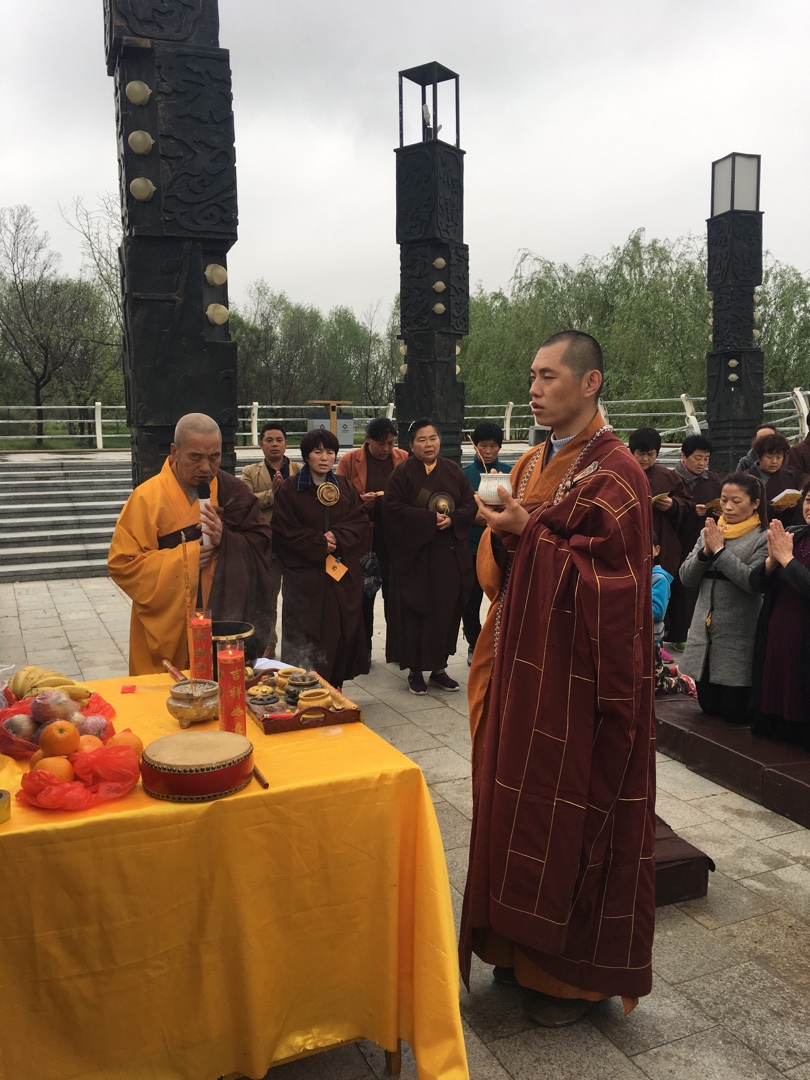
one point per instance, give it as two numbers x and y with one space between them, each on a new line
443 522
713 537
368 497
511 519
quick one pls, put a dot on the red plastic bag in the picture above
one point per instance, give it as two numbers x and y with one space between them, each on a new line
101 775
20 749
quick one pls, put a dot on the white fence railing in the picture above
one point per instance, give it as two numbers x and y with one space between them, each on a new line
99 425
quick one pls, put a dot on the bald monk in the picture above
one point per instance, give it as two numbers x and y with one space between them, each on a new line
560 894
230 575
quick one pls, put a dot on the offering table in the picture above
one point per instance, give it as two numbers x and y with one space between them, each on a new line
152 940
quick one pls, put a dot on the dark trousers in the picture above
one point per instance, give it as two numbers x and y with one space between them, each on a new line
471 616
368 610
731 703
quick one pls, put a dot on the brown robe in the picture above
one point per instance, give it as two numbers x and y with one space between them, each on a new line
431 569
321 619
799 460
703 489
666 522
562 875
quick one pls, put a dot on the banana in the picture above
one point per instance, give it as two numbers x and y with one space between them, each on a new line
19 680
78 692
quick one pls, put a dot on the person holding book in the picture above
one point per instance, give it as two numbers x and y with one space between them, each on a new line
781 686
771 452
669 496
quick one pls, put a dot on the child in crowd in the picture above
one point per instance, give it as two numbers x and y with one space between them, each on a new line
668 680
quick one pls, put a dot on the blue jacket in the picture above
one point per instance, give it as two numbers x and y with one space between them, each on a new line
661 581
473 472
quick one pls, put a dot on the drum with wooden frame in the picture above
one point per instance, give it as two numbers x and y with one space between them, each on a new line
197 766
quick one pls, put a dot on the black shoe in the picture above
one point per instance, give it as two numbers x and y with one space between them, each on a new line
470 652
504 976
442 679
416 683
554 1012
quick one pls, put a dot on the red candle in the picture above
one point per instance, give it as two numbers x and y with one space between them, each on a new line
200 656
231 671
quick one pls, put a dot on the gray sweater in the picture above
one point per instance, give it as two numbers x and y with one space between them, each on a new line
729 644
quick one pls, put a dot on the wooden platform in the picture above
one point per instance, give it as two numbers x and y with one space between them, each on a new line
770 773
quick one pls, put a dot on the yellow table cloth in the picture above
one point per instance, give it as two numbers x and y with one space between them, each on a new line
152 940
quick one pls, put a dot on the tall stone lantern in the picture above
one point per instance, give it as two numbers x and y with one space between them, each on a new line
434 260
735 364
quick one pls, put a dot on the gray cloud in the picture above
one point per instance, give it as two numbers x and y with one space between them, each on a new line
581 122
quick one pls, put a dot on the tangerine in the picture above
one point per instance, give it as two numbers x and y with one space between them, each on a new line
60 737
59 766
89 742
127 738
38 756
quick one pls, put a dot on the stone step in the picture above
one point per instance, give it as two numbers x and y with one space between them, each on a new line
49 537
57 480
31 552
47 509
63 521
47 571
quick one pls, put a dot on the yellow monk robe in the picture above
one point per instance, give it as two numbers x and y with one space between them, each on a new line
153 577
534 480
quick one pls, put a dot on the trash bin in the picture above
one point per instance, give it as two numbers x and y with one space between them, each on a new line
345 425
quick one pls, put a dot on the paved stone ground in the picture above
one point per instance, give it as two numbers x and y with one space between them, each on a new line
732 971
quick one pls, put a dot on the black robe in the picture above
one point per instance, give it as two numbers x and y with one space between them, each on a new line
431 569
321 619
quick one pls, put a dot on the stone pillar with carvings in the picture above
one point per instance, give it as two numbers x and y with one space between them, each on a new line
177 170
434 265
735 364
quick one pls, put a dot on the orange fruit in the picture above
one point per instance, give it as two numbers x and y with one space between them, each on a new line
59 766
60 737
127 738
38 756
89 742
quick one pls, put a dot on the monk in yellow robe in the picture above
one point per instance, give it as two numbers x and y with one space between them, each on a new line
146 559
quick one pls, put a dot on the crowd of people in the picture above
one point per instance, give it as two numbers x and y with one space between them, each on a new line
596 552
732 580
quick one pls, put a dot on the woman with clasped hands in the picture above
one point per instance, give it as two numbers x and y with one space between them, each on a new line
720 645
781 685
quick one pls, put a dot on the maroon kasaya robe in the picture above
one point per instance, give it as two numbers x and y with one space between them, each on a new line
799 460
665 522
785 477
562 848
431 569
321 619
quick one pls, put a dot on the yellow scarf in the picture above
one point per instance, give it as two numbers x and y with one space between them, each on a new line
742 528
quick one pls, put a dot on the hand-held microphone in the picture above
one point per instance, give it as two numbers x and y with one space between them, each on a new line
204 495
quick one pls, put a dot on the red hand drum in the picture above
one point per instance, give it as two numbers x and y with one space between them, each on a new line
196 766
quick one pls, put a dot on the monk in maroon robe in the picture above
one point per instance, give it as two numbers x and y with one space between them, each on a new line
669 497
428 509
560 892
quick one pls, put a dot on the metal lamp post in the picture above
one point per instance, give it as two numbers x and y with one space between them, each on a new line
434 264
735 364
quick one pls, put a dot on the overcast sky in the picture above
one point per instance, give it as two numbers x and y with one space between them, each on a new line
582 122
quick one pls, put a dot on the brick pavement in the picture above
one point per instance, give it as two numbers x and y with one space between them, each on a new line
732 971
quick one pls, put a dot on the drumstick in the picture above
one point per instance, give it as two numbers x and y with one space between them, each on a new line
257 772
173 671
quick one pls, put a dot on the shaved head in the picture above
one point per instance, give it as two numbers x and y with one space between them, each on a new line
582 352
195 423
